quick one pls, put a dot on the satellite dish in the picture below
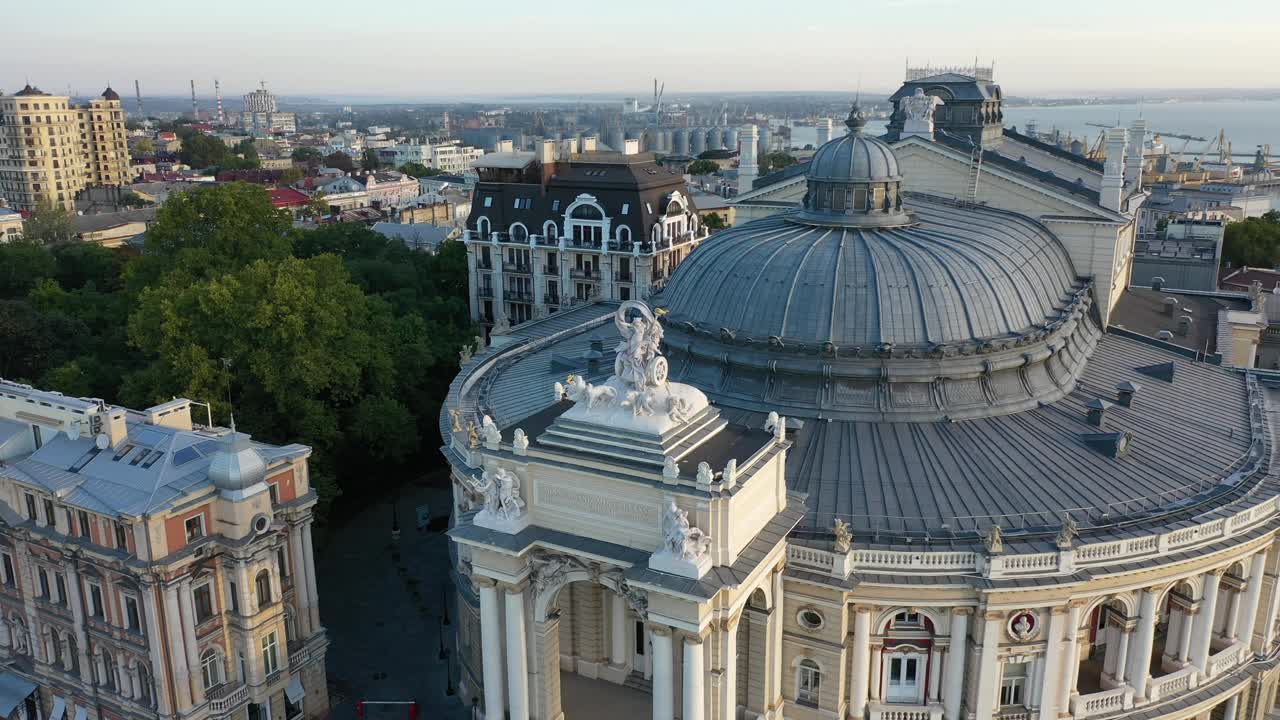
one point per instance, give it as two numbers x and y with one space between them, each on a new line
102 441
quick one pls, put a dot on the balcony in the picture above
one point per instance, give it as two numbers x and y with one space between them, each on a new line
484 264
518 295
550 270
884 711
550 300
1102 703
584 274
521 268
623 277
484 292
226 699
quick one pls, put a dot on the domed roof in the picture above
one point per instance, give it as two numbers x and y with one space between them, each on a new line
855 157
955 275
28 91
236 466
110 94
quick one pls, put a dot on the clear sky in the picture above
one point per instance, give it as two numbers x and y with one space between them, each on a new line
436 48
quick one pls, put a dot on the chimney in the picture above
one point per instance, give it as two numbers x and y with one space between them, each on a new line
1112 191
1125 392
594 355
1133 163
175 414
589 144
1164 335
1157 283
114 426
631 147
1097 411
1170 306
547 152
1184 325
748 169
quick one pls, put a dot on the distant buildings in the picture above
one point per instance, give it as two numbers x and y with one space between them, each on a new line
261 114
51 149
10 224
151 567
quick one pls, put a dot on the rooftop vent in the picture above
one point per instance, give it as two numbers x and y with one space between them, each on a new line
1125 392
1164 335
1097 411
1184 325
1157 283
1162 371
1113 444
1170 306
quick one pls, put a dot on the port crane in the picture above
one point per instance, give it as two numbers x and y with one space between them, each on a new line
1180 136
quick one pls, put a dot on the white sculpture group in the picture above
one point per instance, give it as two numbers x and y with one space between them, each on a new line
680 539
917 112
502 508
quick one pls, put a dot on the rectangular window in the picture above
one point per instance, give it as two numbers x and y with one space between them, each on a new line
235 597
270 664
84 524
1012 684
132 617
274 490
488 201
195 528
626 208
122 536
48 513
61 583
7 561
44 584
96 608
202 597
31 507
284 569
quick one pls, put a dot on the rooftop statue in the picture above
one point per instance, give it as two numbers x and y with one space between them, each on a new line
920 106
680 539
639 363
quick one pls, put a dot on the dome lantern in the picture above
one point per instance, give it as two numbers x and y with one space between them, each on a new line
854 181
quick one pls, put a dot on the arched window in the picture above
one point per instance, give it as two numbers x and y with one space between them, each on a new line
519 233
482 228
109 670
549 230
587 212
144 683
624 236
263 582
808 682
210 669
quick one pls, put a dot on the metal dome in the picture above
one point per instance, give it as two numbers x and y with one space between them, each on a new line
855 157
236 466
954 276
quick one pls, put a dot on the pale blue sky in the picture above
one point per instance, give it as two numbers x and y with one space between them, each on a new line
425 48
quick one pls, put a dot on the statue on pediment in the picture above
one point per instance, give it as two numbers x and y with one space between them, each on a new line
681 539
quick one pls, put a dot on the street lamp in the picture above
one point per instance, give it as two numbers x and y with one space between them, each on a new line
444 651
444 601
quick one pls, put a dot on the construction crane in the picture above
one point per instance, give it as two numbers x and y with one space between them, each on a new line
658 92
1096 153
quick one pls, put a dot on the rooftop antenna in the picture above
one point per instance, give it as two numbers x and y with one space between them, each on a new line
195 109
226 363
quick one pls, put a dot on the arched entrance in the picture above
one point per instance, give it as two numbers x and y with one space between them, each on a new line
591 645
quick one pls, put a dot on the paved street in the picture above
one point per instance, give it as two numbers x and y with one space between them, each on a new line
382 613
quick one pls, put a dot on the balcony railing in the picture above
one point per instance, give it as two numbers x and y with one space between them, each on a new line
1226 659
887 711
226 699
484 292
1172 684
518 295
549 270
522 268
1101 703
551 299
584 274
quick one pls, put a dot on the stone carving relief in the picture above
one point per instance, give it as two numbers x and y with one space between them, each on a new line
489 433
670 468
919 107
680 539
1023 626
841 536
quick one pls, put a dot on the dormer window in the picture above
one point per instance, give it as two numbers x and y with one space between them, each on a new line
195 528
626 208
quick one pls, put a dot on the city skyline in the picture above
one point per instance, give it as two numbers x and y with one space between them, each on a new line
465 51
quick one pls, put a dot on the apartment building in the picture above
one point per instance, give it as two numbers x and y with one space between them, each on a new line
51 149
154 567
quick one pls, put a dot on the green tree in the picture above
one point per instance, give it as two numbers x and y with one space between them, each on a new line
23 263
49 224
418 170
307 155
144 147
317 208
369 160
341 161
713 221
702 167
1254 242
771 162
1272 216
290 176
202 151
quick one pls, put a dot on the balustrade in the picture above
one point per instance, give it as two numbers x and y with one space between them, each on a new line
1225 659
1099 703
1172 684
882 711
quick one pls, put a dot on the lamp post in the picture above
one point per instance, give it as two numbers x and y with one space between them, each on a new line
444 601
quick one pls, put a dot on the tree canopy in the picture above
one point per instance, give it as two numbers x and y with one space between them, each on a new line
339 160
369 160
306 155
775 161
418 170
1254 241
337 338
49 224
204 151
702 167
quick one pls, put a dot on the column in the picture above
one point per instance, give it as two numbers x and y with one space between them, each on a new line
67 660
123 685
1233 613
135 680
1140 653
729 678
861 652
1053 657
1112 633
495 705
1230 707
173 632
1203 630
935 672
1273 603
694 678
1121 673
1070 657
155 647
1252 594
877 668
954 693
618 631
517 659
663 690
989 667
775 637
1173 640
308 554
189 639
300 591
74 590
